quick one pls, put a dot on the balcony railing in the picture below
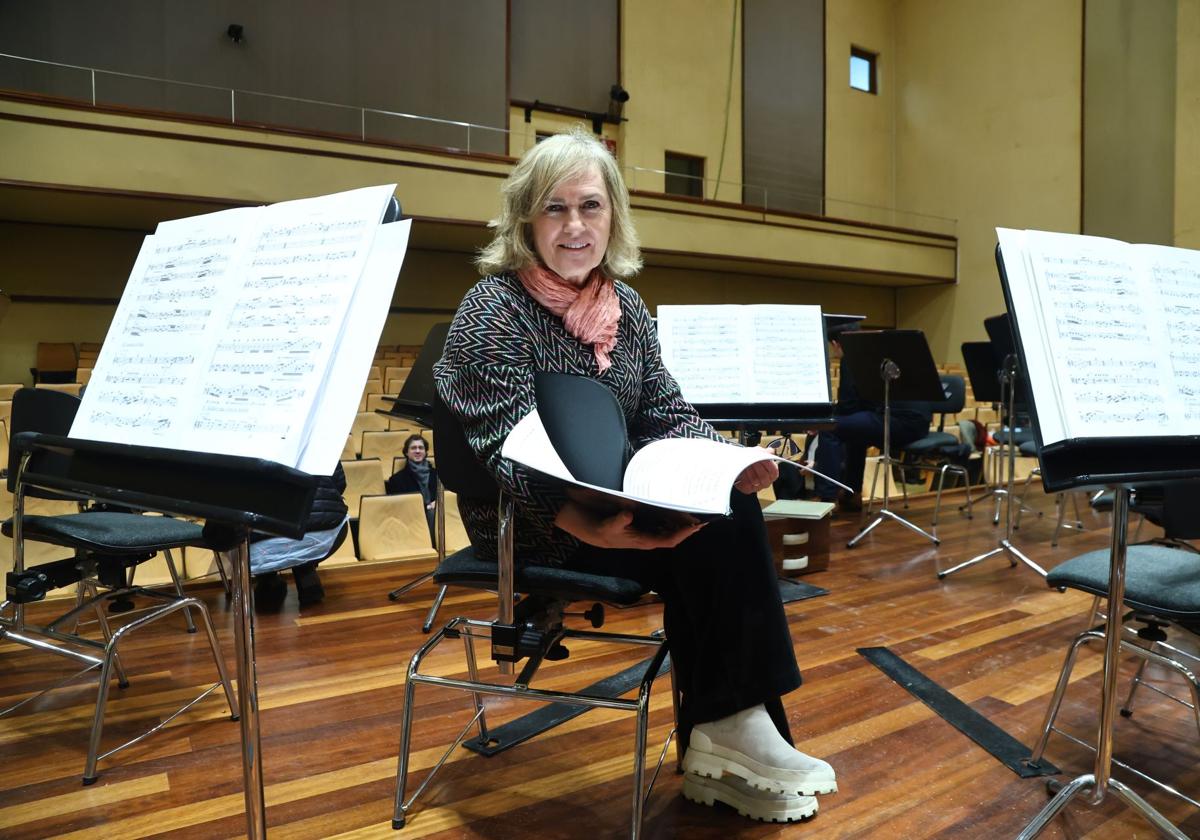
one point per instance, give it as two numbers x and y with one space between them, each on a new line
110 88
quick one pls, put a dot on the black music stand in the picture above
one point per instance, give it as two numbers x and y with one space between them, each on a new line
233 495
415 402
1000 331
887 365
1119 464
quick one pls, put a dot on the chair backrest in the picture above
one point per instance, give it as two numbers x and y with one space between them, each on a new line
394 528
458 468
1181 510
955 389
363 478
39 410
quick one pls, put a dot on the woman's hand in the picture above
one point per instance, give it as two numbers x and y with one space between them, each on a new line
758 476
615 531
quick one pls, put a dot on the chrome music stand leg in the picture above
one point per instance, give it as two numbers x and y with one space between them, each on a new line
1008 380
243 626
889 372
1100 779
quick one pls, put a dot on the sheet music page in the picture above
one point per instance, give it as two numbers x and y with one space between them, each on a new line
692 472
1175 275
1104 329
788 363
702 348
160 336
728 353
335 410
245 376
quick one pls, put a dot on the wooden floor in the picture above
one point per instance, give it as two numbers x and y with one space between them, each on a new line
331 681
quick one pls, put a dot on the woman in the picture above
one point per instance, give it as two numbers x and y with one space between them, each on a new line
553 300
416 476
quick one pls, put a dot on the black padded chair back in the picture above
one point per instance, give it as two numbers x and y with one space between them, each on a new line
458 468
45 411
415 400
1181 510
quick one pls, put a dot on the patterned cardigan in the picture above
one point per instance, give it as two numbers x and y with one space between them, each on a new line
499 338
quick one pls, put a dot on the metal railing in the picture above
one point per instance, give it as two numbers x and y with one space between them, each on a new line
255 108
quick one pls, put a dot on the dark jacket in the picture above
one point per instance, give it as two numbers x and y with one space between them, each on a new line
403 481
328 507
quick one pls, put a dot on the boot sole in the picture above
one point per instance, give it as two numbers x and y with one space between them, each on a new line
776 779
704 791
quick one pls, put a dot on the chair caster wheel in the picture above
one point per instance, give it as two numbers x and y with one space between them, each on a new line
398 824
89 780
392 596
194 630
1127 713
122 683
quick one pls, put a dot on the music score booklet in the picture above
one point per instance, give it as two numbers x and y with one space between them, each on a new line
250 331
691 476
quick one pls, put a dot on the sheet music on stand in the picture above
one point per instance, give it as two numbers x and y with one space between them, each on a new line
1107 335
232 336
758 366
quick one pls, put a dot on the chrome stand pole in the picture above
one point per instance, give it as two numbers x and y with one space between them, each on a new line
1100 779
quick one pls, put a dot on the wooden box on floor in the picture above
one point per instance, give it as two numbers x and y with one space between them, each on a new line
799 545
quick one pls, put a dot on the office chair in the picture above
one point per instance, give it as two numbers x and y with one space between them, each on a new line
532 629
939 446
1162 593
106 546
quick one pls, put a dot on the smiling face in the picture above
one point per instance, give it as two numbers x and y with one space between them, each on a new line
570 231
415 451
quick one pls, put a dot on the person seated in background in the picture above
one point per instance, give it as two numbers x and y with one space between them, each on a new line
416 476
325 529
842 451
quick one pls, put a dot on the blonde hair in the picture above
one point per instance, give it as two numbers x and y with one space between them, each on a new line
557 159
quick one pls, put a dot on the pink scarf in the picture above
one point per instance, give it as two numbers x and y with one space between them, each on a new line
589 312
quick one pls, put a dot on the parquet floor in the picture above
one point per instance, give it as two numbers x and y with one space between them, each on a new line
331 686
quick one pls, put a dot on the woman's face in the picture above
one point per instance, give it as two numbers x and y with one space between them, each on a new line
570 232
415 451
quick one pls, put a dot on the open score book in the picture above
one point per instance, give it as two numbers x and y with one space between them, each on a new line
687 476
1110 330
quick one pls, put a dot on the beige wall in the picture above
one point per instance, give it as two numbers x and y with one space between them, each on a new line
988 133
675 65
1187 125
1129 106
859 126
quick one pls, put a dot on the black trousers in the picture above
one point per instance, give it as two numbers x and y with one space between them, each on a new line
842 452
724 619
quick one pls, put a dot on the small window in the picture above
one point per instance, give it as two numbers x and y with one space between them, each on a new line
862 70
685 175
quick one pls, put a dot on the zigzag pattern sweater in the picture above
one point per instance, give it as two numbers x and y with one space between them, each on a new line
499 338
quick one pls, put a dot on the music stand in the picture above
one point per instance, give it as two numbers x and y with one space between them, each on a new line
1120 464
415 402
887 365
1000 331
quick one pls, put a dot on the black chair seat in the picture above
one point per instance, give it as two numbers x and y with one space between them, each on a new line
463 569
1028 449
1159 580
110 532
932 442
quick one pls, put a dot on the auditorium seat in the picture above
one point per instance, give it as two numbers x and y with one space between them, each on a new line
366 421
363 478
394 528
385 447
72 388
55 362
83 375
8 389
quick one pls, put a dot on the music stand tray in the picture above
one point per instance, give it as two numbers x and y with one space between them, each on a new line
889 365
